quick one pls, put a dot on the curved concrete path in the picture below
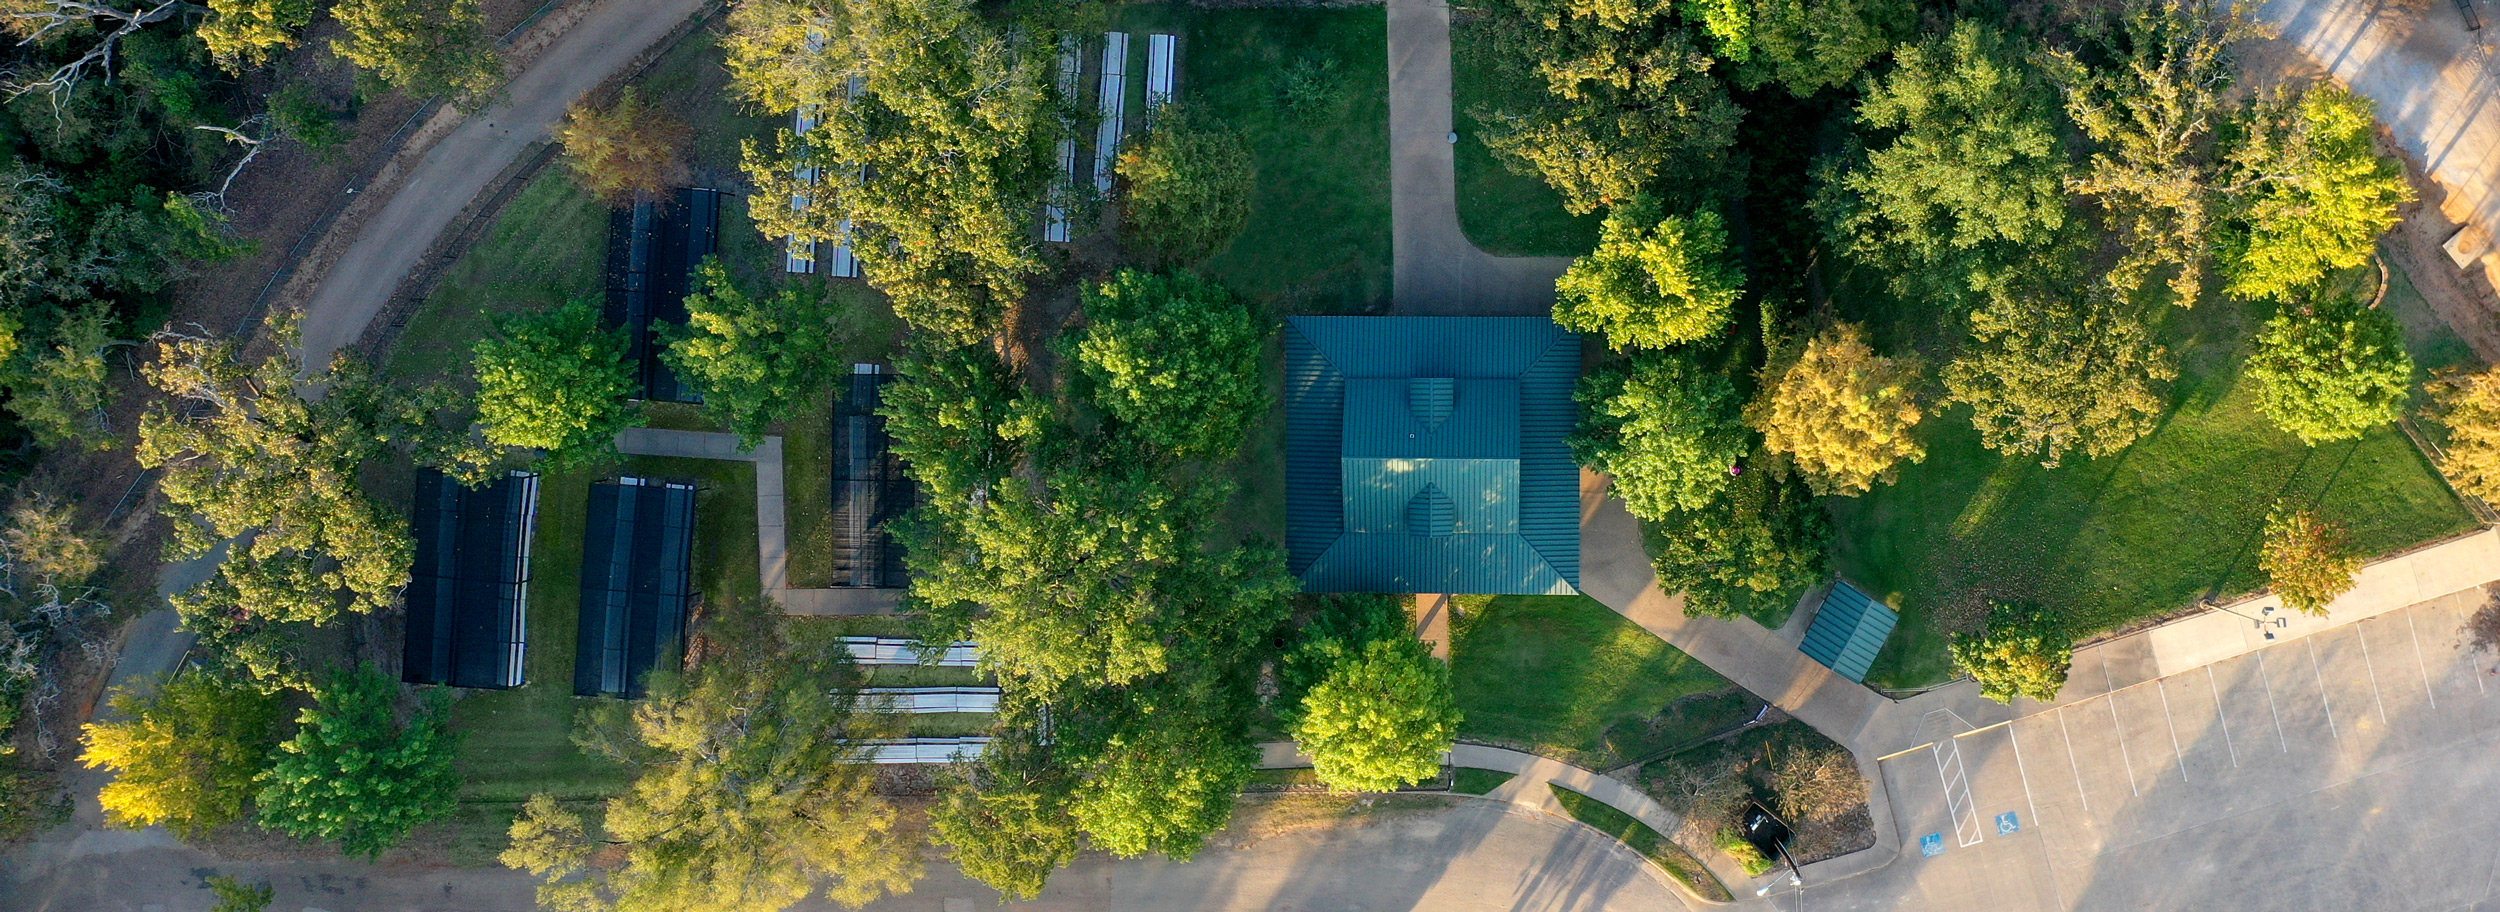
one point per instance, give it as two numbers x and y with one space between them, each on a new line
389 244
1437 271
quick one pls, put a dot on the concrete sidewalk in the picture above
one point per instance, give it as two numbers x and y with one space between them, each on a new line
2240 628
1438 272
772 527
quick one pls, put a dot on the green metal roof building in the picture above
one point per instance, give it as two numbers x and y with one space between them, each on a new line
1426 454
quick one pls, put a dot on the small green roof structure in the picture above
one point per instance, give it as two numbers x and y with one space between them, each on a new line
1426 454
1848 631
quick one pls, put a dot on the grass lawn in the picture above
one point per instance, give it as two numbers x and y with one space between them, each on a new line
1670 857
1467 781
1505 213
1566 677
2102 542
1318 238
545 249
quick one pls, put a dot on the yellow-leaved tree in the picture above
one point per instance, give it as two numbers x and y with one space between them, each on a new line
183 756
1841 411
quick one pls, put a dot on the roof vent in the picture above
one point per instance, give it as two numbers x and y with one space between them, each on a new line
1431 399
1431 513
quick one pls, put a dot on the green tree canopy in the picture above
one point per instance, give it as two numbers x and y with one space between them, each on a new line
960 418
2047 375
1381 717
1006 824
756 359
1176 360
2306 559
950 118
1165 778
2152 107
555 380
1089 578
754 790
1968 163
1667 430
421 47
356 772
246 33
2312 193
243 454
1845 414
1189 184
1629 103
1810 45
60 394
1762 536
2021 653
627 151
1653 281
2468 404
183 756
2333 373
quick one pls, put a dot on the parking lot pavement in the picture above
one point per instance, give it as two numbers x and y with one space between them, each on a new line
2348 770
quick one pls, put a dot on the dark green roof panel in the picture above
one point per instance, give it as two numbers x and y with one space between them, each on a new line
1426 454
1848 631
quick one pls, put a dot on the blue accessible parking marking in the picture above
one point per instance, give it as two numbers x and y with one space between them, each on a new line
1931 845
2008 824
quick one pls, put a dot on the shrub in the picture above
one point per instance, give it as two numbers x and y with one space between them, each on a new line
1743 852
1189 185
2021 653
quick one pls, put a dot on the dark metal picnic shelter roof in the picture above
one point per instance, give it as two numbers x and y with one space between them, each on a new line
655 254
468 593
1426 454
637 580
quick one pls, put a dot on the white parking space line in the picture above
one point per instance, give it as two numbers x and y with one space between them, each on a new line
2267 678
2421 662
2166 721
2360 632
2127 762
2025 772
2224 717
2071 763
2320 674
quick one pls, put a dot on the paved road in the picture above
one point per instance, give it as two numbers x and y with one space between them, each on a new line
1471 855
459 167
1437 271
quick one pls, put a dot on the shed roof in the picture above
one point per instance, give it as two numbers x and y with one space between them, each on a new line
1426 454
1848 631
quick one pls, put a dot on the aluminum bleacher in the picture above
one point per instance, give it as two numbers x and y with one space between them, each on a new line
1162 68
869 650
928 750
935 699
1113 100
1055 209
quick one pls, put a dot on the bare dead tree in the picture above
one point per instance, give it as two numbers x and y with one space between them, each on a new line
251 145
42 18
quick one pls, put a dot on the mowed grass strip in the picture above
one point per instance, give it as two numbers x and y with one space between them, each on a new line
1639 837
1554 674
2141 533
